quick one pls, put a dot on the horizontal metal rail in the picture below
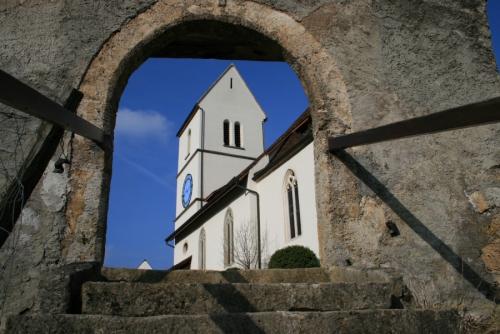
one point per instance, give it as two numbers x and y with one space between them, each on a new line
22 97
456 118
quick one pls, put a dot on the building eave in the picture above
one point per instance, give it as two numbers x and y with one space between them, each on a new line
283 158
188 120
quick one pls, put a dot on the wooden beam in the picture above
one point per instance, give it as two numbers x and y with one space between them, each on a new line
456 118
20 96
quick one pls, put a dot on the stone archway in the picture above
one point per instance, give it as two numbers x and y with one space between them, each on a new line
164 24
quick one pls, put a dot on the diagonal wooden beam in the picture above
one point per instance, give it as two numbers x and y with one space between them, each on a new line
22 97
456 118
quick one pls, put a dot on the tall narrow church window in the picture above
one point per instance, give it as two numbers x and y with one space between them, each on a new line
291 215
237 134
293 206
226 133
202 250
297 207
228 238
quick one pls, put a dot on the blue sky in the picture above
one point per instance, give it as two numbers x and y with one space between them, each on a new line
155 103
158 98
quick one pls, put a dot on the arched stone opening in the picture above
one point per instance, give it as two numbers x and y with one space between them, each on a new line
237 30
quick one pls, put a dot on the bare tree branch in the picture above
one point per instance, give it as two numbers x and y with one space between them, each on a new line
246 251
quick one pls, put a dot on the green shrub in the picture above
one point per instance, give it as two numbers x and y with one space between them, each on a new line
233 268
293 257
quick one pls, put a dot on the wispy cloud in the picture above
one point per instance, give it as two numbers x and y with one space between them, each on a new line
147 172
143 124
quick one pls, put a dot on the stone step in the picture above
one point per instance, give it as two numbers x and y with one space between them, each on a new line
366 321
311 275
146 299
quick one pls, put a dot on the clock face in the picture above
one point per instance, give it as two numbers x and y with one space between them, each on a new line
187 190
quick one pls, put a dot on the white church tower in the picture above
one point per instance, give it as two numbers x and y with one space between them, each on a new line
221 136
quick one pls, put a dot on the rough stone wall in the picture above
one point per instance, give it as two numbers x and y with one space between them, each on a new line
411 58
362 63
46 44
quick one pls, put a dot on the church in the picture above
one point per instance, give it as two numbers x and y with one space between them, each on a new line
237 202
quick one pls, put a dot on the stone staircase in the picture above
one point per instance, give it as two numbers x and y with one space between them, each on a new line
338 300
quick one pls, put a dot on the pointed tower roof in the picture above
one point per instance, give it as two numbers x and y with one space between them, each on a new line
197 105
145 265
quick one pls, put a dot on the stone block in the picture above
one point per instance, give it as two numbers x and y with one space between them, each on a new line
60 290
143 299
351 322
311 275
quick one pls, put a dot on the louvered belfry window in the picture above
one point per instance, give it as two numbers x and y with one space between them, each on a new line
226 132
237 134
292 201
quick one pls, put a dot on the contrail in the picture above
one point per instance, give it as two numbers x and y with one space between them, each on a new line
146 172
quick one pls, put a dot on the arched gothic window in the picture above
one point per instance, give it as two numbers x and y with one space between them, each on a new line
228 238
237 134
292 204
202 253
226 133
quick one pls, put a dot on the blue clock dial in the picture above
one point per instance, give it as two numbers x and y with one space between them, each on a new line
187 190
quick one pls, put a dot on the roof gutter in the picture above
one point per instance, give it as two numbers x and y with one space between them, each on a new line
282 159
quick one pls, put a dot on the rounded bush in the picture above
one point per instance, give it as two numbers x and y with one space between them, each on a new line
233 268
293 257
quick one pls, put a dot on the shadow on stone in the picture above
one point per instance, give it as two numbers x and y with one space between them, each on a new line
243 320
416 225
233 276
60 290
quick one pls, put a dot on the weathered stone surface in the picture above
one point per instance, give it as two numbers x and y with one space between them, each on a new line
493 196
60 290
479 202
362 64
145 300
47 45
492 229
491 256
311 275
352 322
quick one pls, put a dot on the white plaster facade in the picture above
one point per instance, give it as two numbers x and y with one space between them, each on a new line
273 213
273 206
202 151
199 229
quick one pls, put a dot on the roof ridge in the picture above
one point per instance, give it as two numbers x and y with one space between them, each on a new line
196 105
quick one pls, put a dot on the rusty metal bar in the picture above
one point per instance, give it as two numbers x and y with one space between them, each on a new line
456 118
20 96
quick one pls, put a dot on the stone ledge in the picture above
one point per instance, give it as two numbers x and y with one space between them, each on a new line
311 275
145 299
351 322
